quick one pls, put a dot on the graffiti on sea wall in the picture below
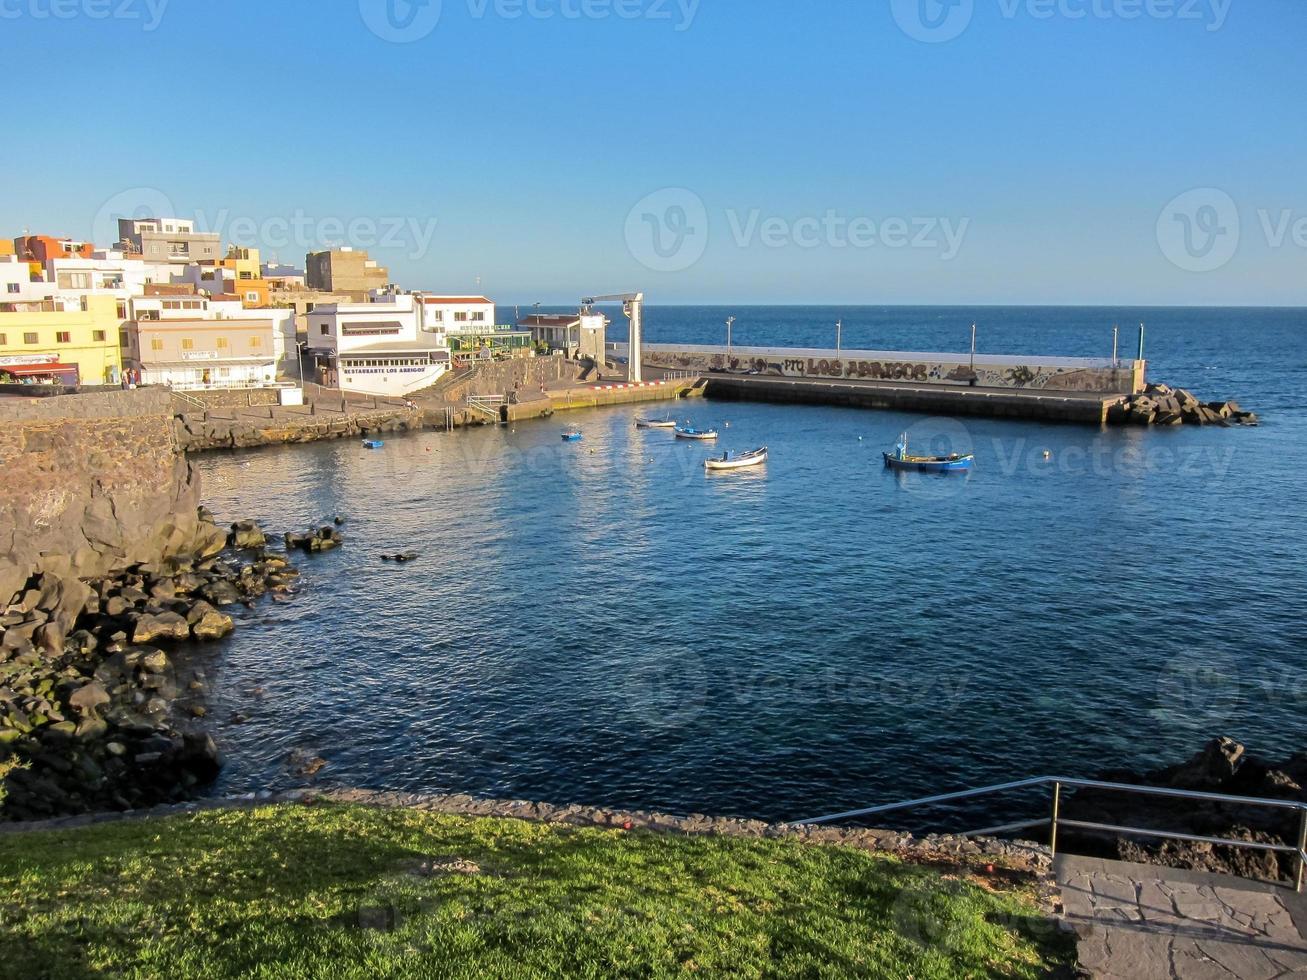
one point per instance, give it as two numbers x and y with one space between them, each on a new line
1016 375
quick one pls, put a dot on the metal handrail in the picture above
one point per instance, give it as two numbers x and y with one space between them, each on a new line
1055 820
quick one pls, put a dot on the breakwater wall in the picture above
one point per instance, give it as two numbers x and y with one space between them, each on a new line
274 425
92 483
1083 408
1016 372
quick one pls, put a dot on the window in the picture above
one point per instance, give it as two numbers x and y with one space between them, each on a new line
460 317
324 330
30 338
435 316
222 343
3 340
256 341
15 287
251 297
74 280
479 317
156 343
188 344
97 335
63 337
122 310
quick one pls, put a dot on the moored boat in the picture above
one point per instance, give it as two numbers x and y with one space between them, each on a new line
901 459
372 443
572 435
655 423
689 432
739 461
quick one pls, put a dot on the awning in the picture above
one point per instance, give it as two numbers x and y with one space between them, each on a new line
24 370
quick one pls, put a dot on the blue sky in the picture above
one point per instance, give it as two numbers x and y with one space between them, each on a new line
1053 151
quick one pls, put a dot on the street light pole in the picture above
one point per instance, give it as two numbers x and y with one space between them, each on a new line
729 320
839 330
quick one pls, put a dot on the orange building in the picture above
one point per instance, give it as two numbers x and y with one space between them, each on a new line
42 248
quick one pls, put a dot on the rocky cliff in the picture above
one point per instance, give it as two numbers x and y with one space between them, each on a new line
93 484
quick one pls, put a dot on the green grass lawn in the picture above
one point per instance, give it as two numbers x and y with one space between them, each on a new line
345 891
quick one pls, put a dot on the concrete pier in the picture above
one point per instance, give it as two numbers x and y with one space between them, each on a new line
1090 408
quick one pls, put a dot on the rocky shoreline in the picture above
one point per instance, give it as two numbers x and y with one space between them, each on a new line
1222 766
101 708
1160 404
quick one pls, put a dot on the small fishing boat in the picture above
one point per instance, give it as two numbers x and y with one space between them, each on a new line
900 459
572 435
655 423
738 461
689 432
372 443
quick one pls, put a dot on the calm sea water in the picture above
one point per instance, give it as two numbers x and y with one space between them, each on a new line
605 623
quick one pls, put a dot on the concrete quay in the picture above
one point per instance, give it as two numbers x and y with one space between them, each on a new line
1083 407
623 393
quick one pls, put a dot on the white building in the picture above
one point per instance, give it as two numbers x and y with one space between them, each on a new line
392 345
16 285
108 272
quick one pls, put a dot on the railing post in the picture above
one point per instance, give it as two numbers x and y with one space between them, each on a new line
1052 824
1302 845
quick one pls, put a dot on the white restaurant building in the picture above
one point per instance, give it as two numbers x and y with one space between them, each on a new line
394 344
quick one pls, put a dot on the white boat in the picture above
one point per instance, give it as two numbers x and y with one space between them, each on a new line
726 461
655 423
687 432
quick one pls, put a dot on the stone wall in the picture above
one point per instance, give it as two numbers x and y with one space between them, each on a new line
505 377
92 483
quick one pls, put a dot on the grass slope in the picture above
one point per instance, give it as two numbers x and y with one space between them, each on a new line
341 891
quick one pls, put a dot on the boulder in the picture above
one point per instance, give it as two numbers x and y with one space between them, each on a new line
163 626
246 535
1210 768
87 698
49 639
212 626
221 593
154 661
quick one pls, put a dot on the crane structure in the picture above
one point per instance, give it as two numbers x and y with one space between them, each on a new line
633 310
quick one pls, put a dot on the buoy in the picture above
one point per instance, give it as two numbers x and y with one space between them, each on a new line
1048 454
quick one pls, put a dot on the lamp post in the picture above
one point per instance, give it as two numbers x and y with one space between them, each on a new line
1141 341
729 320
300 347
973 348
839 330
1116 344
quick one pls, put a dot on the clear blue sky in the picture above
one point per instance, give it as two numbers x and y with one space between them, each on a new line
1051 142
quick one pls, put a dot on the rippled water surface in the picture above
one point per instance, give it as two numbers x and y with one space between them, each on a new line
603 622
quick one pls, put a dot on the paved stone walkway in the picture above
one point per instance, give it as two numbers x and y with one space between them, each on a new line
1137 922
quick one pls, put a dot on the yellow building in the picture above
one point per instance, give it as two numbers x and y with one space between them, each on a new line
64 332
249 283
6 246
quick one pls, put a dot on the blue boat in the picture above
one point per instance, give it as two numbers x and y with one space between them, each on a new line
900 459
372 443
689 432
572 435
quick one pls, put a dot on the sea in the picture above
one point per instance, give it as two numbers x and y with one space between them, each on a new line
605 623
